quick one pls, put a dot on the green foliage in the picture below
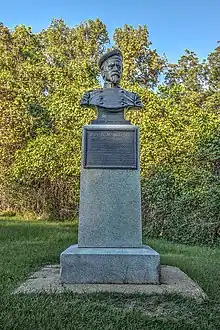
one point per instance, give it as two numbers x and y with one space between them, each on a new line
142 65
180 169
213 70
188 72
186 212
42 78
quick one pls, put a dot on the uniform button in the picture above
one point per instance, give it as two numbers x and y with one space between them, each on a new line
122 91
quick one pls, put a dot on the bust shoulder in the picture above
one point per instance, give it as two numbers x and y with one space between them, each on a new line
132 97
85 101
111 98
137 100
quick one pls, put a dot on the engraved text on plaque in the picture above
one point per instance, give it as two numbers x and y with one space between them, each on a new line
110 148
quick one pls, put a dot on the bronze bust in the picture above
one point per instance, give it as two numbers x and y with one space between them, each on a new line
112 100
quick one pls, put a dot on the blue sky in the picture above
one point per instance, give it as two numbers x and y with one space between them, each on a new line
173 24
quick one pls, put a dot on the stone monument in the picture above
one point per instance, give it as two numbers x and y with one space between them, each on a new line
109 248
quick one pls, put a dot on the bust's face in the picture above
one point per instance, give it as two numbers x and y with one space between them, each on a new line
112 70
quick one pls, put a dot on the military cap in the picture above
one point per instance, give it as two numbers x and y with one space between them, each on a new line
108 55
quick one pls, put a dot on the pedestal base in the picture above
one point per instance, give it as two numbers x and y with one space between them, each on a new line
110 265
110 198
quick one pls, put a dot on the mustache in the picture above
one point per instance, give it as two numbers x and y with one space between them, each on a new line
115 73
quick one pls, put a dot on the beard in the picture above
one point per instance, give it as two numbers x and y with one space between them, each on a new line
115 78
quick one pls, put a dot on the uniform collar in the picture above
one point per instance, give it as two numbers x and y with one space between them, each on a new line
110 85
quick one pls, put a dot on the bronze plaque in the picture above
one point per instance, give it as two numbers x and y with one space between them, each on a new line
110 148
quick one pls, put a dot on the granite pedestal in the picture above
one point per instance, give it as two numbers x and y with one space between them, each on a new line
110 246
110 265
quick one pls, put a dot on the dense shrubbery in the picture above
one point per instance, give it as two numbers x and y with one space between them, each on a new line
42 78
181 212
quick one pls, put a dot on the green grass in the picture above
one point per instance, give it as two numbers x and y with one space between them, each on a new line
27 245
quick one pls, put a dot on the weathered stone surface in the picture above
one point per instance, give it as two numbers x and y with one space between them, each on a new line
173 280
110 206
109 265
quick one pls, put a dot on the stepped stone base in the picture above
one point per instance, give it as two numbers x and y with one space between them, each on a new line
110 265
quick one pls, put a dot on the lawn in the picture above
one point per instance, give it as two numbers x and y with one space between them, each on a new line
27 245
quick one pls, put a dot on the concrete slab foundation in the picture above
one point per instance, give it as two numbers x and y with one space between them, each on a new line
173 280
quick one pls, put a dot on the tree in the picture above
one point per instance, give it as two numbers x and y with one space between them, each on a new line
213 70
42 78
188 72
142 65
